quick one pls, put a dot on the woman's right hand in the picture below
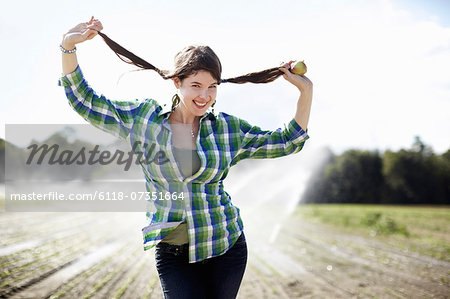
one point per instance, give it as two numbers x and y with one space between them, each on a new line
81 33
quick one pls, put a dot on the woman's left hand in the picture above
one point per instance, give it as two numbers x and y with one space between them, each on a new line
301 82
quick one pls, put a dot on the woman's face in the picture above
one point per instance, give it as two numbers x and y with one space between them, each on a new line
197 92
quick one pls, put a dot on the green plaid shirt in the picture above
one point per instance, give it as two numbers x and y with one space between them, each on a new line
214 223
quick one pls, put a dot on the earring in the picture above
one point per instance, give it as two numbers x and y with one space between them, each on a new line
212 106
175 101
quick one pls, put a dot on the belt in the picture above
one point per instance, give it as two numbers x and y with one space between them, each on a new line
174 249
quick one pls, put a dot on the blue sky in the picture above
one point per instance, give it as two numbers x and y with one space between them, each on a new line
380 68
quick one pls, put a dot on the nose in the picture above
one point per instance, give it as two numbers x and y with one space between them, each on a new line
204 95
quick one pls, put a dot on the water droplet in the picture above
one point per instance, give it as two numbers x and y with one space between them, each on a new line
329 267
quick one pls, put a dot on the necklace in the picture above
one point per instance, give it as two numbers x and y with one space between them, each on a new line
192 133
192 128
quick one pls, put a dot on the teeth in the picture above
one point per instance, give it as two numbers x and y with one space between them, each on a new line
201 105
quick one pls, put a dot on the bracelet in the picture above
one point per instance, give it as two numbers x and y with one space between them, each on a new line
68 51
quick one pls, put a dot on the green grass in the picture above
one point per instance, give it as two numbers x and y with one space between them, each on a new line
422 229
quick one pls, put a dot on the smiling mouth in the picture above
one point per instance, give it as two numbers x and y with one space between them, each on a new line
200 105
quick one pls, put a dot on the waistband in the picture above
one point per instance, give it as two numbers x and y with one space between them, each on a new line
174 249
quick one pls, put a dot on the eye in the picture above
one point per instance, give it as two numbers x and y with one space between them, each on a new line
213 86
195 85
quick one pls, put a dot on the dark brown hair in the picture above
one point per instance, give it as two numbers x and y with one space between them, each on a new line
190 60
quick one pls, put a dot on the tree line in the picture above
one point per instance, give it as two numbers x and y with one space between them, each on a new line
408 176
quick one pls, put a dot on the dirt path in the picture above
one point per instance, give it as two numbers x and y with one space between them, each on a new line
88 255
363 267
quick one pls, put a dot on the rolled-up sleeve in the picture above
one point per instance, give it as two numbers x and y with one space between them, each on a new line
115 117
259 144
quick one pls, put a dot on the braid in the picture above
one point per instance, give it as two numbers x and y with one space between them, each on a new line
265 76
128 57
188 53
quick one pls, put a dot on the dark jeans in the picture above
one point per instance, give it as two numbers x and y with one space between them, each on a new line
216 278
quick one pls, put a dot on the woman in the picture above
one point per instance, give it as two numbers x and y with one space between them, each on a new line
201 250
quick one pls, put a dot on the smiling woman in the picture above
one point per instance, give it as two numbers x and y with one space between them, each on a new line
201 250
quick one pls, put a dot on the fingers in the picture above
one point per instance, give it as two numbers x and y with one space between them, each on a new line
284 64
284 69
94 27
94 24
287 64
90 21
286 73
98 24
89 34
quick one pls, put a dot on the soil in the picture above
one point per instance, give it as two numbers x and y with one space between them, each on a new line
99 255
